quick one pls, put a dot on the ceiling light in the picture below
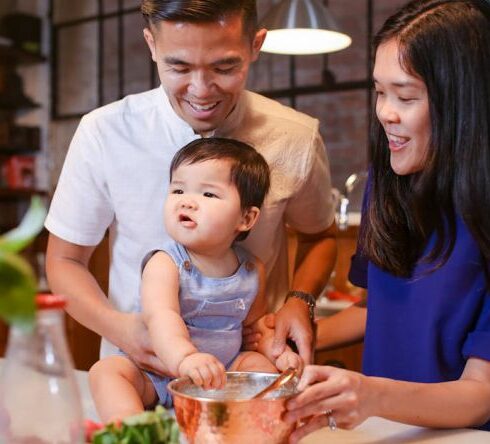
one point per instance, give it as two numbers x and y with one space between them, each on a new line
302 27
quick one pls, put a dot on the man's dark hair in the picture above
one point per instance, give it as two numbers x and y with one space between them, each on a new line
199 11
249 171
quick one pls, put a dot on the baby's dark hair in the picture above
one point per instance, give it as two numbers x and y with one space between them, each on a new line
249 171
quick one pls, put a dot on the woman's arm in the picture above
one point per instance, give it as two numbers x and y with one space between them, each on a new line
353 398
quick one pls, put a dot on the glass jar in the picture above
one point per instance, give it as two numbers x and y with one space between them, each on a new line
39 396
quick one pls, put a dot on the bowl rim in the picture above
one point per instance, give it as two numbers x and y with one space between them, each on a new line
171 384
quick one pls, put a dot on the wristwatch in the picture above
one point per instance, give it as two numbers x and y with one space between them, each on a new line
306 297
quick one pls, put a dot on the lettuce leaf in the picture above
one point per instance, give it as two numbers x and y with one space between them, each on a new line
150 427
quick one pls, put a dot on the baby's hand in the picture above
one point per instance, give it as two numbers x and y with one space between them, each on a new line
289 359
204 369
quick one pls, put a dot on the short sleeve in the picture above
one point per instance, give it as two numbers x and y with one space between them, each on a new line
478 342
81 209
312 208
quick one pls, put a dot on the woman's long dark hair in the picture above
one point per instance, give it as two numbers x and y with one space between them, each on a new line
446 43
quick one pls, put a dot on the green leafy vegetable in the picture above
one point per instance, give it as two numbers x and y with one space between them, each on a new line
17 280
151 427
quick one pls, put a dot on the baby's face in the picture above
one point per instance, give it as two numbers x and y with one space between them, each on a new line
202 210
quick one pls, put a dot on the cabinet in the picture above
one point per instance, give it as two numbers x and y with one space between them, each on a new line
19 144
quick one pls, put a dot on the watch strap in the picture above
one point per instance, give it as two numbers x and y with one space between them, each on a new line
306 297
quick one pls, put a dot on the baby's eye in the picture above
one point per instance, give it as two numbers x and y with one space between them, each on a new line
208 194
177 191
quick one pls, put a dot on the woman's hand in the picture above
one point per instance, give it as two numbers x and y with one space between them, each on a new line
324 389
204 369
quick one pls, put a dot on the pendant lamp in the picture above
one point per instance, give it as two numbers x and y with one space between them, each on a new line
302 27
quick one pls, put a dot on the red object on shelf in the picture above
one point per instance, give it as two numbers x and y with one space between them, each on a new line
19 172
339 296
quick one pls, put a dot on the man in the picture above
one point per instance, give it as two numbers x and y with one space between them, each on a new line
116 174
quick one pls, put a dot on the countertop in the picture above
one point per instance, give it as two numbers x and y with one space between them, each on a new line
372 431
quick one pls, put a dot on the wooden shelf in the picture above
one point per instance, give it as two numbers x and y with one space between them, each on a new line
13 55
7 152
20 193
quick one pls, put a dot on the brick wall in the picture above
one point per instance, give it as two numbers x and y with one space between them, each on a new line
343 116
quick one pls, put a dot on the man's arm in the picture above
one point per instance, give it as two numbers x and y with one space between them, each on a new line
68 274
315 260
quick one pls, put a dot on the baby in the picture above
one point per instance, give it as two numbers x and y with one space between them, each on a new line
200 288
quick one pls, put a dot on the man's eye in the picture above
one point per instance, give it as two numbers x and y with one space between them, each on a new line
227 70
207 194
179 69
177 191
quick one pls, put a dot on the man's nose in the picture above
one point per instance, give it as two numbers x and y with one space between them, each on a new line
201 84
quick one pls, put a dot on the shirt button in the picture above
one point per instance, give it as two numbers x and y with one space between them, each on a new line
187 265
240 305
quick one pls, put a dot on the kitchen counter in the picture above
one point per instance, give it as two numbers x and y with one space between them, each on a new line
373 431
382 431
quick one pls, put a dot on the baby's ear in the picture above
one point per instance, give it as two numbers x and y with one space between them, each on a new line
249 217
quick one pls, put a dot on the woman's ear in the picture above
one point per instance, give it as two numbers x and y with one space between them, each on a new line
249 217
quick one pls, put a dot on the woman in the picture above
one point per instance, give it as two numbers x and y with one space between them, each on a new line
424 244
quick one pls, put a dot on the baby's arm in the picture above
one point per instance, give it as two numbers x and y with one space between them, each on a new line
168 332
256 315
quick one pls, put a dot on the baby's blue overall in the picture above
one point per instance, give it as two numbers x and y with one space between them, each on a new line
213 308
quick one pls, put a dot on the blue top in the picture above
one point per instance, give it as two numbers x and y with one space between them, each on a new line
424 328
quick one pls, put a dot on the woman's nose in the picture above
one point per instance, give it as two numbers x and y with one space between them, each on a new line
386 112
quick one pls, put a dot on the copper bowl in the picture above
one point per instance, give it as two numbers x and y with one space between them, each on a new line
228 415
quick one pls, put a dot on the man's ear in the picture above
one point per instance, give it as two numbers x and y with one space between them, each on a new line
150 41
258 42
249 217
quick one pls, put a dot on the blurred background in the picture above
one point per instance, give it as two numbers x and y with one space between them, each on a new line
59 59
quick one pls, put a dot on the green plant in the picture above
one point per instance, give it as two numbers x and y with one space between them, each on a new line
17 280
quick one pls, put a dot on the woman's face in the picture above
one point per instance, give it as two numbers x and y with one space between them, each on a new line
402 107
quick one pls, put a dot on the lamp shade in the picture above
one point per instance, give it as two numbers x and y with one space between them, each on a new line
302 27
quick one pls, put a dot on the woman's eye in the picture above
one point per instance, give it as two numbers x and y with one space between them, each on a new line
177 191
406 99
207 194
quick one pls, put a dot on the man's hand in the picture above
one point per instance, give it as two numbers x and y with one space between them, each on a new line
136 343
204 369
253 333
293 321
